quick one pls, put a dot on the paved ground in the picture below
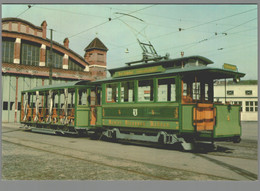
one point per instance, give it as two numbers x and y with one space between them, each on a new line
33 156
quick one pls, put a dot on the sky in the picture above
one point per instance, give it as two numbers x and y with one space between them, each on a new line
224 33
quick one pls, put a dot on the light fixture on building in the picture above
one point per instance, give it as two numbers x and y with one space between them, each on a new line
127 51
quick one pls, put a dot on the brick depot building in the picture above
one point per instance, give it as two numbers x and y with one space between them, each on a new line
25 62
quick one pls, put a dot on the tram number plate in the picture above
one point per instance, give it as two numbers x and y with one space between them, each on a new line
135 112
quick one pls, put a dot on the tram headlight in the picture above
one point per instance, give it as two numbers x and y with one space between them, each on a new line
236 79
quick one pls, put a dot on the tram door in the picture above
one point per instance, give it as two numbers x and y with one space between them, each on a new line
204 117
83 108
199 92
95 102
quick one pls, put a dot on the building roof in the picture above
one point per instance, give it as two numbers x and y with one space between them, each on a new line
43 71
13 19
242 82
77 57
96 44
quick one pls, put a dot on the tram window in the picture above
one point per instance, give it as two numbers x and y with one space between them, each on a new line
93 97
166 89
61 99
82 100
32 100
99 97
196 91
145 90
56 100
111 93
71 98
184 89
127 91
206 92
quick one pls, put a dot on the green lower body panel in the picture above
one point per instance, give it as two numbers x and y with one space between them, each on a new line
166 125
187 118
227 121
82 119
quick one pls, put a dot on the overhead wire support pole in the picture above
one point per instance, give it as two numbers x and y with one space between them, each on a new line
225 90
50 67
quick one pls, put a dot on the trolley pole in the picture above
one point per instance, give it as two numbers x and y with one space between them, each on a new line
50 71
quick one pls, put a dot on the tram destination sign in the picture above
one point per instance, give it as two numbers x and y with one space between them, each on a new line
138 71
230 67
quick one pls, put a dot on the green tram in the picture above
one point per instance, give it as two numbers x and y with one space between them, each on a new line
167 101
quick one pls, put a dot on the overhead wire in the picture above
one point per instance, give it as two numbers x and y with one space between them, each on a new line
208 22
171 18
71 12
109 21
224 33
210 38
29 6
146 8
232 49
136 32
240 25
221 18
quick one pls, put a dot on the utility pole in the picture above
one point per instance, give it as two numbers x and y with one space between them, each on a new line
50 71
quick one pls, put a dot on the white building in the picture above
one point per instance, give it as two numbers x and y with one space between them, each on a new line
244 93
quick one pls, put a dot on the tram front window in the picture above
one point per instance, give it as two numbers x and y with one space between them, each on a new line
197 91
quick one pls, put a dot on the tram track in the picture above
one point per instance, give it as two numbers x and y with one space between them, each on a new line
86 160
3 132
240 171
62 151
235 157
209 156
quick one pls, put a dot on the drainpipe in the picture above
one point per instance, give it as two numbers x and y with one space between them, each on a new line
16 98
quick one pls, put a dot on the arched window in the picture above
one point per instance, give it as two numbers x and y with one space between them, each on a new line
56 59
30 54
8 50
73 65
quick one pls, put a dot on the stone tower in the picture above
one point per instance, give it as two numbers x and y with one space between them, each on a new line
96 56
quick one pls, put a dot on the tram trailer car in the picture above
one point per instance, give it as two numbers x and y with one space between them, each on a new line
169 101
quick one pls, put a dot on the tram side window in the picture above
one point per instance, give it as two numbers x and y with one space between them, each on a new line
62 100
111 93
41 102
145 90
71 98
55 100
166 89
127 91
82 100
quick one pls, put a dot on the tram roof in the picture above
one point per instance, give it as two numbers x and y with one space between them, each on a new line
164 63
206 72
60 86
